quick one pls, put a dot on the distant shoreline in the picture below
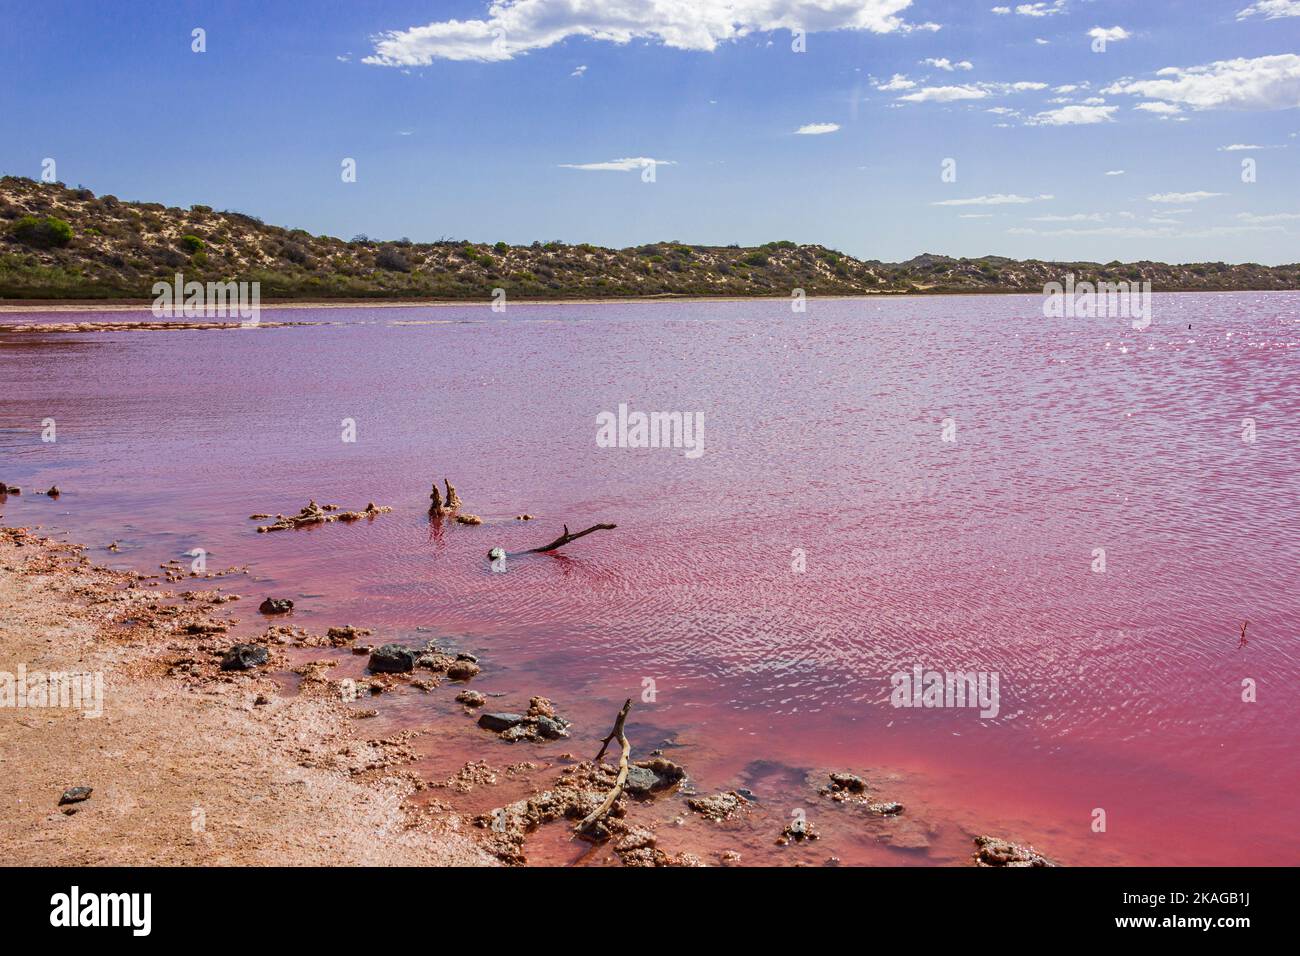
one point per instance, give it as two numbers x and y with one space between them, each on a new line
21 306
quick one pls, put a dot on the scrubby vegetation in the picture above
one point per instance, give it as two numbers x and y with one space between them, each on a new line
62 243
39 233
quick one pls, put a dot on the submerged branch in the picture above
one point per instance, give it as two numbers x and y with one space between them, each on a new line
565 538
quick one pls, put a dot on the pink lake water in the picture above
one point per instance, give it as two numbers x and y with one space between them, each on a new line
1120 691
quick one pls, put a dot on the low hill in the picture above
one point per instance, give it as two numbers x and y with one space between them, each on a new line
58 242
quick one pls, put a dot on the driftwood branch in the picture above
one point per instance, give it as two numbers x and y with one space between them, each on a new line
565 538
621 779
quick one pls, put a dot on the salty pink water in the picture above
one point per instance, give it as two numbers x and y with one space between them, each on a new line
1119 690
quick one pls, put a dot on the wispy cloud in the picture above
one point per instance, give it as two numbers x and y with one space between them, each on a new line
1115 172
1271 9
1034 9
1075 217
817 129
897 82
1073 116
997 199
969 91
943 63
579 71
514 27
1159 107
1268 217
625 165
1197 196
945 94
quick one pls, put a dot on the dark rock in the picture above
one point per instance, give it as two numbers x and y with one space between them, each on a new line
994 851
243 657
850 783
641 781
276 606
467 657
462 670
54 491
75 795
394 659
499 721
551 728
668 772
471 698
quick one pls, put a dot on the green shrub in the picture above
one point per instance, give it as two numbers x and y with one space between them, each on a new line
41 233
502 248
192 243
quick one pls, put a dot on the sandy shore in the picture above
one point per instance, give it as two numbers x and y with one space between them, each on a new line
189 769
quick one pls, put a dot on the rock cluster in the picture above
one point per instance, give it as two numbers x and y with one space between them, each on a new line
994 851
541 722
313 513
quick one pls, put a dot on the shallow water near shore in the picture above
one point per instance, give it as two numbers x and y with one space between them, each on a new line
1119 690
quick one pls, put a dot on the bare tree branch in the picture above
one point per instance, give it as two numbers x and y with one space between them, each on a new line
621 779
565 538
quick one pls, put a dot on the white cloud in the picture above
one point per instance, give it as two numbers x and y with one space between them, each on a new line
1182 197
943 63
1041 42
1155 106
579 71
897 82
1262 83
1114 172
625 165
1141 232
997 199
1040 9
1238 147
1268 217
1271 9
1074 116
817 129
513 27
1109 34
968 91
1001 11
945 94
976 215
1076 217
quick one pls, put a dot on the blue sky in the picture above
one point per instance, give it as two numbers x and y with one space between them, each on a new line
468 121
